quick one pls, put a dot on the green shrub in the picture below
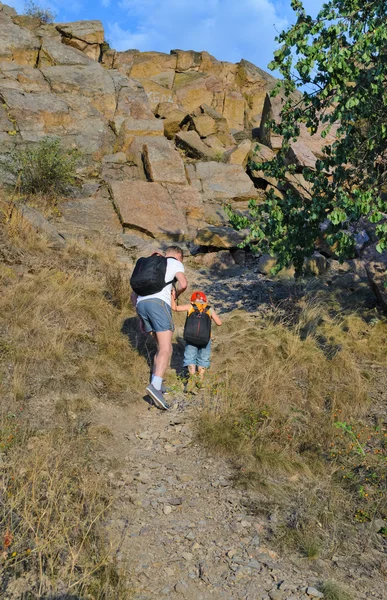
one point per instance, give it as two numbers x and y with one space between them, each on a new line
39 12
46 168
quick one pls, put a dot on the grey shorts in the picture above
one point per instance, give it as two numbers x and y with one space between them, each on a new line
156 315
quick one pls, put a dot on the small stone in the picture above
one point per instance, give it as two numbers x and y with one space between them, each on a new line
169 572
313 593
135 500
231 552
181 588
187 556
254 564
143 477
195 547
175 501
143 435
245 523
190 536
167 509
184 478
166 591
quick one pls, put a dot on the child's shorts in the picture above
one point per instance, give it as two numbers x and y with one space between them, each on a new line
197 356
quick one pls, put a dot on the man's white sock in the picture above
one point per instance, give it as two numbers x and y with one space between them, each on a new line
156 382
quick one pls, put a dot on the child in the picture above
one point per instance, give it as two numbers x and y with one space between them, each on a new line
197 350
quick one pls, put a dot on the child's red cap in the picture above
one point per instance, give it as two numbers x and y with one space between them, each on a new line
198 297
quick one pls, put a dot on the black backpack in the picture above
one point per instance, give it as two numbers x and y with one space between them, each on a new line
148 276
197 328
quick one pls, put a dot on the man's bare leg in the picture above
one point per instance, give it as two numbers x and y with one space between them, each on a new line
163 354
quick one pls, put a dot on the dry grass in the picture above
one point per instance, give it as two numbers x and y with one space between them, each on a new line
53 504
290 404
334 591
59 324
61 351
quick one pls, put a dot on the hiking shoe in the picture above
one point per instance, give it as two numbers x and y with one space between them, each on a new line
157 397
165 390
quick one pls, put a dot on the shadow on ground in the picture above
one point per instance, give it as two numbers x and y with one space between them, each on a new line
146 346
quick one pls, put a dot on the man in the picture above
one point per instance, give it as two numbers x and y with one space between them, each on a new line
156 315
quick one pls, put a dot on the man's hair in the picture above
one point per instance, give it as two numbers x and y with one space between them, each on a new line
174 250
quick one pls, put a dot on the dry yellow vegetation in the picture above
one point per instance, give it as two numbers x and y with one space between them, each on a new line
61 351
291 405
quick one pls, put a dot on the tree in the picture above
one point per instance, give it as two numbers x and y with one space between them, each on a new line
339 60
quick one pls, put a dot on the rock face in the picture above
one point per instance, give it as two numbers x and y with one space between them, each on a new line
148 208
168 137
162 162
222 181
218 237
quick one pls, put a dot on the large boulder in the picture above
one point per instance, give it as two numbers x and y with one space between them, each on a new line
131 98
193 89
156 93
221 181
187 60
53 52
131 128
162 162
89 32
86 36
189 201
306 146
194 147
204 125
123 61
38 223
7 127
92 82
271 111
240 154
89 215
218 237
172 123
155 66
218 261
148 208
16 43
301 155
234 109
254 84
36 115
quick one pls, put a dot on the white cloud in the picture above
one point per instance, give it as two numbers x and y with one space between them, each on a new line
228 29
105 3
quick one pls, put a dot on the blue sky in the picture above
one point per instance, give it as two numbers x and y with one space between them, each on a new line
228 29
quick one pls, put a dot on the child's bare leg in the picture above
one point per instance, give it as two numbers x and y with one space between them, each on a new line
192 369
201 372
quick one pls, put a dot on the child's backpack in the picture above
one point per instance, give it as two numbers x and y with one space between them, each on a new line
148 276
197 328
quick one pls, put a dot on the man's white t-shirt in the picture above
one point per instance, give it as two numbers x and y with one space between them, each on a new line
173 266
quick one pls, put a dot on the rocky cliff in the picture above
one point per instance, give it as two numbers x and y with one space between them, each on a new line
165 138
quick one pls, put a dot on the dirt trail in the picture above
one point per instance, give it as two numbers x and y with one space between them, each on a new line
182 528
179 526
